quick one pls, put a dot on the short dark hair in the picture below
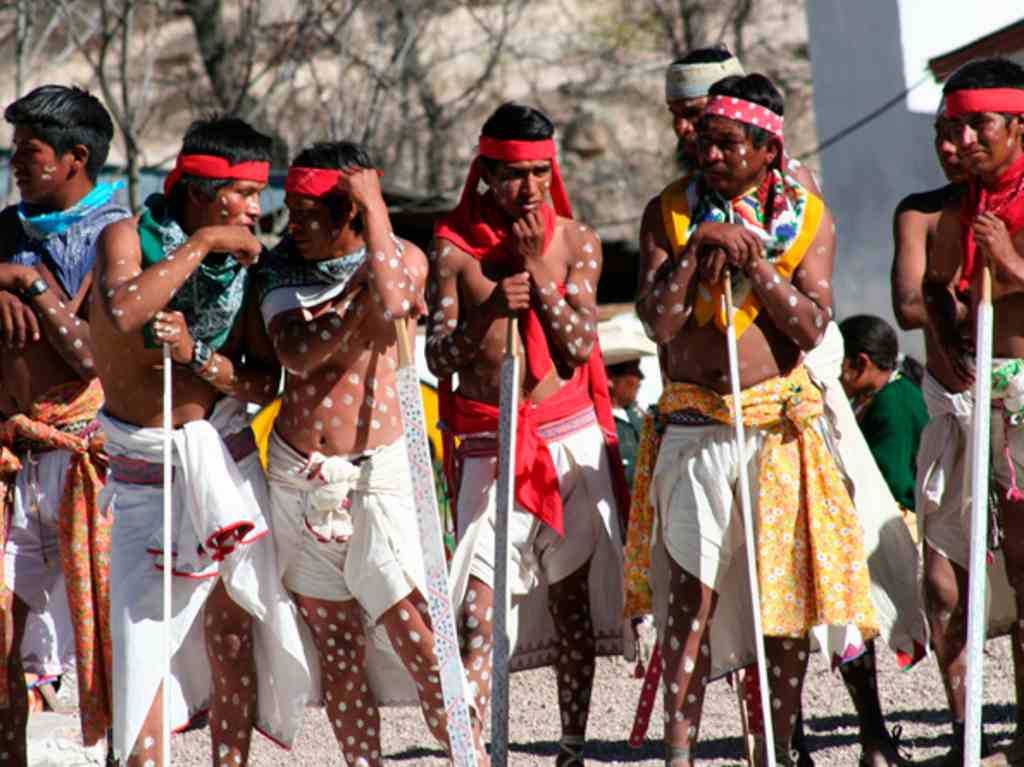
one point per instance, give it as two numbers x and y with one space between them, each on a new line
516 122
710 55
873 336
64 117
221 136
335 155
994 72
757 88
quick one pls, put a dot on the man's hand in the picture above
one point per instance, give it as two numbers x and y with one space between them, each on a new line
170 328
511 295
15 277
236 240
994 240
362 185
18 323
528 237
718 244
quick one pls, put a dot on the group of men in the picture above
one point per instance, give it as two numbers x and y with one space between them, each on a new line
304 581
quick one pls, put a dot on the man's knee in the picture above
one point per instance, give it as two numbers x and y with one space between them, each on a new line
942 588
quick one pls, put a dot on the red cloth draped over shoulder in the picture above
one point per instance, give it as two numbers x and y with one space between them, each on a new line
480 227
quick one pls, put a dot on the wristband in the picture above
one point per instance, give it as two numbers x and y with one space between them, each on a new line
38 287
201 355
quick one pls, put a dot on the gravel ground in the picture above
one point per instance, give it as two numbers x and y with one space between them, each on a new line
911 699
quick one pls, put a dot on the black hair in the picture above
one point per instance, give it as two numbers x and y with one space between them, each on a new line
757 88
65 117
335 155
516 122
994 72
705 55
221 136
873 336
912 369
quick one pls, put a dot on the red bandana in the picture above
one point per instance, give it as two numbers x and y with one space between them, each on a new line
312 182
1008 100
481 228
745 112
211 166
1006 200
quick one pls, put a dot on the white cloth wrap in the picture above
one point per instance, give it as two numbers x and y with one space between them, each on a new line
538 556
691 81
285 299
381 561
210 492
943 493
32 566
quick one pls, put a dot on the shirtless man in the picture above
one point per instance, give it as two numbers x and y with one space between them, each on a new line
48 379
984 107
783 246
509 254
178 275
344 519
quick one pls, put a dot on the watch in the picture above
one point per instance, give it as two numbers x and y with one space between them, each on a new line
38 287
201 354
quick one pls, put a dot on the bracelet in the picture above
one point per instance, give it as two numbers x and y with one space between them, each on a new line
38 287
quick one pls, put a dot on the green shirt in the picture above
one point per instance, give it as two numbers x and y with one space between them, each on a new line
892 423
628 431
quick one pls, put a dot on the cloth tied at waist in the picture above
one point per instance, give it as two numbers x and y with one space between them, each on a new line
84 535
810 550
536 482
328 482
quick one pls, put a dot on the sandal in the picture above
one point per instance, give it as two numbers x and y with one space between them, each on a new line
570 751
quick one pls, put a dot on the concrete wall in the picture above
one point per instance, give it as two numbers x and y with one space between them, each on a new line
857 65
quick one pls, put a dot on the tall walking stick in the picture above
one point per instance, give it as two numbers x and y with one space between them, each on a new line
748 524
168 427
428 519
978 572
509 410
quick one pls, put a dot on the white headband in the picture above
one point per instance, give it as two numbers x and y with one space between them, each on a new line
691 81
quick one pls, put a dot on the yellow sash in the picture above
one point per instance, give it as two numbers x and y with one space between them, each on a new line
810 549
675 213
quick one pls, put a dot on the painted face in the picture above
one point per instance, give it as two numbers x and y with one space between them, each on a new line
685 114
986 142
520 187
38 170
730 162
236 204
945 148
312 227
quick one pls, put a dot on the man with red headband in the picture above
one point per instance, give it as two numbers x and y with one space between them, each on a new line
343 512
985 111
179 275
741 219
510 255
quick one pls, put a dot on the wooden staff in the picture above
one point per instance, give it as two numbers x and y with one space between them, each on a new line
168 427
428 519
978 568
748 523
509 413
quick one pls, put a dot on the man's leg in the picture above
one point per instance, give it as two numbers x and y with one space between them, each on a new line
687 659
945 598
229 648
476 636
569 604
860 678
412 635
1013 550
349 702
14 720
787 666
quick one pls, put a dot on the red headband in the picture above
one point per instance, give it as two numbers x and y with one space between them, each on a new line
524 151
745 112
312 182
959 103
211 166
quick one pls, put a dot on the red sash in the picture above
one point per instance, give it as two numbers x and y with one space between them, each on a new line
1006 201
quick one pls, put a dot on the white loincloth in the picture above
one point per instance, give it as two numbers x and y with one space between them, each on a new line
380 561
32 564
538 556
210 492
894 562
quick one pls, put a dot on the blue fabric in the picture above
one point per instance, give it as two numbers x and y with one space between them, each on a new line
43 225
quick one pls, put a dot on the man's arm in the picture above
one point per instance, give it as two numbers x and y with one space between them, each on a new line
131 295
946 312
572 320
801 308
910 237
454 339
666 285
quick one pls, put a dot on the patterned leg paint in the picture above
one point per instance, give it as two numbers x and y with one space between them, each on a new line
476 633
148 750
569 604
14 720
787 665
410 631
687 661
229 647
349 702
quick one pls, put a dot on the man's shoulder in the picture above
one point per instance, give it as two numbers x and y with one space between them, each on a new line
577 233
930 202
